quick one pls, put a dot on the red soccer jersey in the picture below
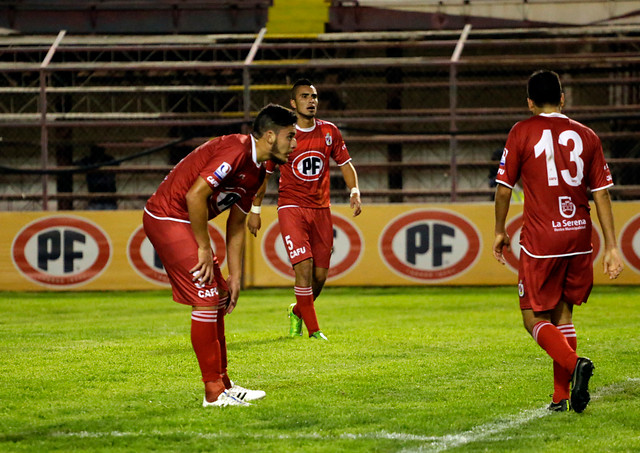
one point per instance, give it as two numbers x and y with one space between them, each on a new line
304 179
557 159
229 166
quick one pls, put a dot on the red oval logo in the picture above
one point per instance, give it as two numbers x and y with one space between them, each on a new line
347 248
514 228
430 245
308 166
145 261
61 252
630 242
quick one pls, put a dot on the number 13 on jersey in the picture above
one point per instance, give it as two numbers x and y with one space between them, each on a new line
546 147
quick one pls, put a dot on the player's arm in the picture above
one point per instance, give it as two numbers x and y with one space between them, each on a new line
254 223
351 180
612 261
501 239
235 253
196 200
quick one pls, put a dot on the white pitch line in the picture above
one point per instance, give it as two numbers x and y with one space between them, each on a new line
432 443
488 430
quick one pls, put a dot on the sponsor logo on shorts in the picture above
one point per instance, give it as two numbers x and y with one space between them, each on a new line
145 260
630 242
520 289
308 166
211 292
347 249
61 251
430 245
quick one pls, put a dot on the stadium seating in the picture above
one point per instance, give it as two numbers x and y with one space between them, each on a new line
420 127
134 16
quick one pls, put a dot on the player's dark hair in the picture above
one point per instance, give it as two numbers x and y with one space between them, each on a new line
544 88
273 117
299 83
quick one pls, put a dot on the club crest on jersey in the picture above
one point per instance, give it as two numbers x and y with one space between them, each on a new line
308 166
328 139
567 207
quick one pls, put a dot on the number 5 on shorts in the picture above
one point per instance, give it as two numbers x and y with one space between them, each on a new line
287 240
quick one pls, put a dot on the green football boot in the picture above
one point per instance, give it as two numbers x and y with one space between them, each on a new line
295 323
318 335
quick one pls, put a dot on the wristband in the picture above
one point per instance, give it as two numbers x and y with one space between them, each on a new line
355 191
256 209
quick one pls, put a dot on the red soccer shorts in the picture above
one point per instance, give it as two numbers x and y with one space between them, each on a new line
176 247
544 282
307 233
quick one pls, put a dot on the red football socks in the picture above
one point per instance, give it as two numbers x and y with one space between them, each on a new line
204 339
561 377
213 389
552 340
304 306
223 345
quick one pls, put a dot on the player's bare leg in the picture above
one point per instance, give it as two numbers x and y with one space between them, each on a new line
319 277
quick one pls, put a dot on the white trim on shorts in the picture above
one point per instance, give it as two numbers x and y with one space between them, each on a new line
171 219
555 256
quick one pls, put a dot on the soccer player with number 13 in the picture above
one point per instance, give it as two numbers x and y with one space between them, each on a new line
557 160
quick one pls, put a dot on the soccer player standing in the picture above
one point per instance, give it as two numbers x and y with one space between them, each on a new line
557 160
304 204
223 173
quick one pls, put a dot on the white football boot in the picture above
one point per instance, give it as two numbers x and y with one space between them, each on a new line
244 394
225 399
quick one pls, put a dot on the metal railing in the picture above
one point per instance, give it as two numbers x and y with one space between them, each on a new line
431 102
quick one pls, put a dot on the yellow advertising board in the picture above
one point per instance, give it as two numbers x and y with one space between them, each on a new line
437 244
387 245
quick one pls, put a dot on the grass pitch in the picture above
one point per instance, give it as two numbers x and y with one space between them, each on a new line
406 369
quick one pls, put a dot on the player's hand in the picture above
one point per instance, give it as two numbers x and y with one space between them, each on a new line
234 292
612 263
203 271
501 240
254 223
223 296
355 204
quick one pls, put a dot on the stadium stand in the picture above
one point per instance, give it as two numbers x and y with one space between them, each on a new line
134 16
376 15
422 111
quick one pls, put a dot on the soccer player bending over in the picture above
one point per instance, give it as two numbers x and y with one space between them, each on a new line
304 204
557 160
223 173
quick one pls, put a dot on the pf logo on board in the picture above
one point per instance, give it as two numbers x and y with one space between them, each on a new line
61 252
430 245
